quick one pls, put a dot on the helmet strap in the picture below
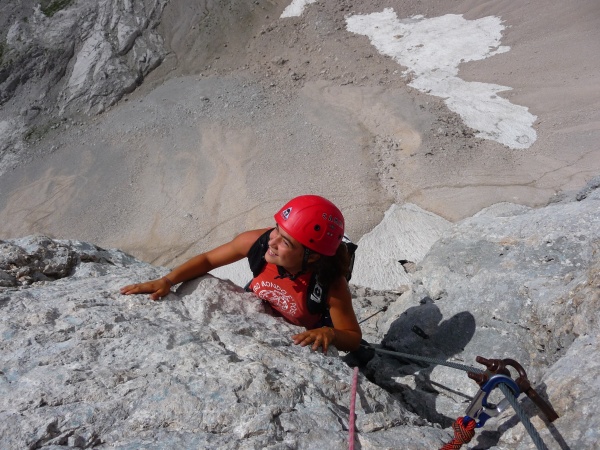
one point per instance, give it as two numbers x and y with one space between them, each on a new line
285 274
305 259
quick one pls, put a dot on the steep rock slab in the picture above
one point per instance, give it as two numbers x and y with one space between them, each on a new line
207 367
69 59
510 282
387 255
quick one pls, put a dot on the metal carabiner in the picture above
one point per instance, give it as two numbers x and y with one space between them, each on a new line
480 410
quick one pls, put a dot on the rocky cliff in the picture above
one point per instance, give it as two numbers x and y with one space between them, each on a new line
509 282
64 60
160 127
209 367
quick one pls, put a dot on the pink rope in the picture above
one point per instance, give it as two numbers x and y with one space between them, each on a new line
352 401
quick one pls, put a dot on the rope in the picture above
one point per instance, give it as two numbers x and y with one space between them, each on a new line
374 314
352 402
462 434
429 360
535 437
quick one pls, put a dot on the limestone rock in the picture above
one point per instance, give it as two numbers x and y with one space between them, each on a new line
509 282
207 367
80 59
404 235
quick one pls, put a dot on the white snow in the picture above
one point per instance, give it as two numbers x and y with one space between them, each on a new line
295 8
432 50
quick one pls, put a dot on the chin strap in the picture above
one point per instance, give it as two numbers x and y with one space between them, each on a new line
285 274
305 260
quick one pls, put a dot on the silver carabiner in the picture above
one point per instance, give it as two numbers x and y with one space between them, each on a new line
480 409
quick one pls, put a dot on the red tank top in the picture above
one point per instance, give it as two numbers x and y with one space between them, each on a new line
287 297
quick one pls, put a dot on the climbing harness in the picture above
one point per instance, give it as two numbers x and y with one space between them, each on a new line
480 409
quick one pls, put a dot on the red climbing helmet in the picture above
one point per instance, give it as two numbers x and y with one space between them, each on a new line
313 221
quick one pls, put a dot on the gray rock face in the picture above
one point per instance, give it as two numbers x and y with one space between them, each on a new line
510 282
409 233
76 60
208 367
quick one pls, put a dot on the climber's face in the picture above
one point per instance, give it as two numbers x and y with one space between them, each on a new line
284 251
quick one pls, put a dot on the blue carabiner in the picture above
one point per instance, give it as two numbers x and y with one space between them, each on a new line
480 410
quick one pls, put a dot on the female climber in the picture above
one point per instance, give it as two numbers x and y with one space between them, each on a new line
299 267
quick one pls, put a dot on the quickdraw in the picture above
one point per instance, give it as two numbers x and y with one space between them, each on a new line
480 410
499 366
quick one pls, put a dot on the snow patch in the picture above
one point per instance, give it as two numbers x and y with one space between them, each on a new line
295 8
432 50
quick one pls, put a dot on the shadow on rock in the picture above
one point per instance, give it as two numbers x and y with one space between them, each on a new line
421 331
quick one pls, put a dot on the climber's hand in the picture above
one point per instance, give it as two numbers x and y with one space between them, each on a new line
156 288
319 337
